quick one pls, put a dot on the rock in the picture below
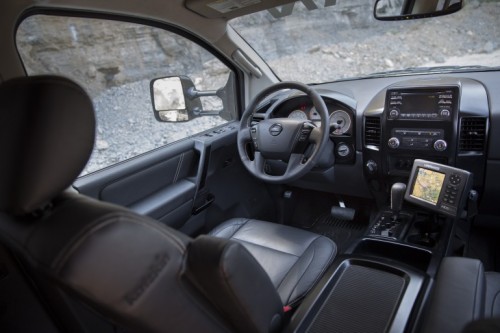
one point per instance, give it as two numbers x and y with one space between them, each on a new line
314 49
389 63
101 144
489 47
439 59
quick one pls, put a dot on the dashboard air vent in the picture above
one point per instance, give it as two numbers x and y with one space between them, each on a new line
472 134
372 131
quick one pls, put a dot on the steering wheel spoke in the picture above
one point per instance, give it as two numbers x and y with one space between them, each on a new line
294 163
315 136
258 162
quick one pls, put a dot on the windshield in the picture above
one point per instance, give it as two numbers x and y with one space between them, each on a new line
341 39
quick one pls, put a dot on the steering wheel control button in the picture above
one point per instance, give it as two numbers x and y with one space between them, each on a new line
440 145
276 129
304 132
393 143
253 134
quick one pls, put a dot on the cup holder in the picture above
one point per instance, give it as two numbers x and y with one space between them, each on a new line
406 254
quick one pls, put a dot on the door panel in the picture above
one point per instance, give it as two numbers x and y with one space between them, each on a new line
160 184
192 185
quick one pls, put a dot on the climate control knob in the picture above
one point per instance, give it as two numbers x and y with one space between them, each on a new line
393 142
440 145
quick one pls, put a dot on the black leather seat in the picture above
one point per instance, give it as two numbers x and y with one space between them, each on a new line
132 270
293 259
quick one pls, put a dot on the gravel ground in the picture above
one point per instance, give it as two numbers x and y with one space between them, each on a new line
126 125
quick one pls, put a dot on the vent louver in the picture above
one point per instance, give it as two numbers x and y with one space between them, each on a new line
372 131
472 134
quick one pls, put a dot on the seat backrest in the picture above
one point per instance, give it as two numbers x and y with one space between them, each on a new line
132 270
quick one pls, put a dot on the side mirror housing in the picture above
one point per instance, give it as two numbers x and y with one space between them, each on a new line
169 99
175 99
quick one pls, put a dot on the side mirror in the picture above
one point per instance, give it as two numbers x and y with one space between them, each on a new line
390 10
169 99
175 99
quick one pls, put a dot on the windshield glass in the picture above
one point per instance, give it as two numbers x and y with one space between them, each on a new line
341 39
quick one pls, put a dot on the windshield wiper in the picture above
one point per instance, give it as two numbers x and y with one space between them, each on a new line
433 69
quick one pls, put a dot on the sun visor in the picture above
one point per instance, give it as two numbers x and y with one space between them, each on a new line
229 9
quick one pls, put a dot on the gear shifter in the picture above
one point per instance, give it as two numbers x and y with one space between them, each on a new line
397 195
390 223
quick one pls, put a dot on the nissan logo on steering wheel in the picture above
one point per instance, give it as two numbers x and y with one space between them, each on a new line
276 129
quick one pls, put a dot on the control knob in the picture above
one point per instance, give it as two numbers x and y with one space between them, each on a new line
371 167
445 113
393 114
343 150
440 145
393 142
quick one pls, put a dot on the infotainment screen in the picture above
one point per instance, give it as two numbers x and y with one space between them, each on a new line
420 103
428 185
438 187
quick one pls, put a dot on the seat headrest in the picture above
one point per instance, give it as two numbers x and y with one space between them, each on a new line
47 129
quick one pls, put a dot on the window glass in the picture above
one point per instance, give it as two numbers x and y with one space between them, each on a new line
115 62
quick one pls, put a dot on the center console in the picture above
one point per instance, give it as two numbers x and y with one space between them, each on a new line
381 283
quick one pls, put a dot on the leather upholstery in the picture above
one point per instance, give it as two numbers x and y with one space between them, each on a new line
46 137
136 272
492 302
294 259
458 295
226 272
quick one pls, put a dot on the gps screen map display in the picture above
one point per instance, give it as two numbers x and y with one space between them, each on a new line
428 185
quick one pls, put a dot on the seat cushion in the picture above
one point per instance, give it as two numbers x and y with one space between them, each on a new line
293 258
492 304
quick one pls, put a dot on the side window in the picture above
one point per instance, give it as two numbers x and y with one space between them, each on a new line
115 62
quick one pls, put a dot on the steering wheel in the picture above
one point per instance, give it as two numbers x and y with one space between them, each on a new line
297 142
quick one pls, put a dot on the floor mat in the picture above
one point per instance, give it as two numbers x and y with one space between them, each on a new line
342 232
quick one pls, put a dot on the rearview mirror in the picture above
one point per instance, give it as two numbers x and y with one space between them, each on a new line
390 10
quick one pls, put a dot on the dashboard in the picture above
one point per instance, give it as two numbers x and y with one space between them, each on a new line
380 126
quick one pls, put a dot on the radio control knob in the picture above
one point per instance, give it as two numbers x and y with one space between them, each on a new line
445 113
393 142
393 114
440 145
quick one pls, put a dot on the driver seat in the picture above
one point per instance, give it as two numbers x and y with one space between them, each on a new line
129 269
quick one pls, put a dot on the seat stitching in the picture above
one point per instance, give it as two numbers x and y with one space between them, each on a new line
475 296
236 299
332 254
71 248
493 303
263 246
241 224
301 276
309 264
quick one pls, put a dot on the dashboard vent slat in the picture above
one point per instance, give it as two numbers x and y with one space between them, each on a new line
472 134
372 131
